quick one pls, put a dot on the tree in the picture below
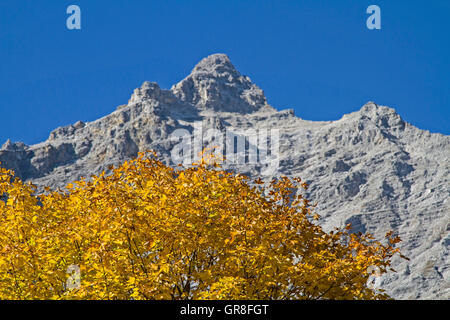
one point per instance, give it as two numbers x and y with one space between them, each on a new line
149 231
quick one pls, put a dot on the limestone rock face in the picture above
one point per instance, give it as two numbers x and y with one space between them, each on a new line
216 85
370 168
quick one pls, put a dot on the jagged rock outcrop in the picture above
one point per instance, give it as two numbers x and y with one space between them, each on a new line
370 168
216 85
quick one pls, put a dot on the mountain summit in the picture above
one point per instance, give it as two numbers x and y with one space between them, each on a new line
215 84
370 168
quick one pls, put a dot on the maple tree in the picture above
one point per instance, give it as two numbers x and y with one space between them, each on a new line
149 231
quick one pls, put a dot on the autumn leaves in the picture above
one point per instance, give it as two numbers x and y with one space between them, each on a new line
148 231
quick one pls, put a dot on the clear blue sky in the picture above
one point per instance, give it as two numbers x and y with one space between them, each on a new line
315 56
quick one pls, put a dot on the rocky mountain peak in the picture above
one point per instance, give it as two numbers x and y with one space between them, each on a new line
384 118
371 109
13 146
215 84
216 64
148 90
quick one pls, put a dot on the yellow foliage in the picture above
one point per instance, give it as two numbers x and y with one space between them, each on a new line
148 231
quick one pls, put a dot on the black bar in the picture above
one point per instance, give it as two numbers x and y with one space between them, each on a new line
235 309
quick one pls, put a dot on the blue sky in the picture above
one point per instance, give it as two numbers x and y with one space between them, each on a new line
315 56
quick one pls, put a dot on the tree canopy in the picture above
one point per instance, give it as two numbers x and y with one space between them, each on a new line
149 231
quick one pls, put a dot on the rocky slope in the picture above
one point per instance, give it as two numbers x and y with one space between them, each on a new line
370 168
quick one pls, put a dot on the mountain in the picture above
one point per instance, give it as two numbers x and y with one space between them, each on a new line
370 168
